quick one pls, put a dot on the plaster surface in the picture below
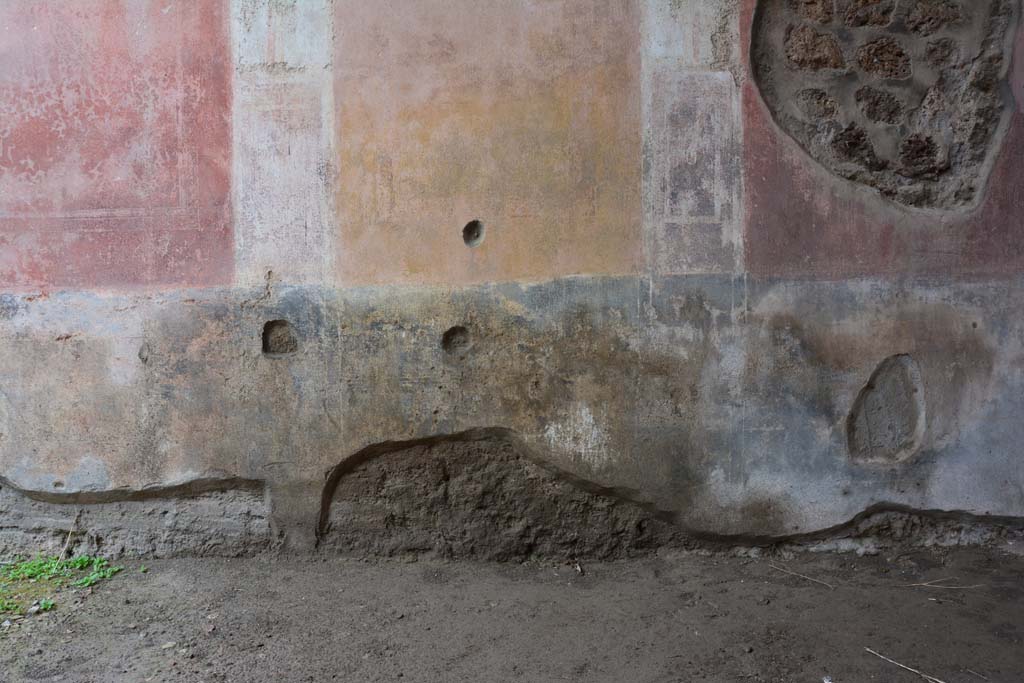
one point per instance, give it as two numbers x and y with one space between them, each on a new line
114 165
670 305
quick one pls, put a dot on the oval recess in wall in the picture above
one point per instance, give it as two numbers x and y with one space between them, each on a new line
887 421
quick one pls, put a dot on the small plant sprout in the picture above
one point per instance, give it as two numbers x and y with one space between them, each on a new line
28 586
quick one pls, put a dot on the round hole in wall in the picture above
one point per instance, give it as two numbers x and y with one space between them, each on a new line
473 233
58 484
279 338
455 340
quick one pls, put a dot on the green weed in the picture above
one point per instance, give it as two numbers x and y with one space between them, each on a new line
35 581
100 570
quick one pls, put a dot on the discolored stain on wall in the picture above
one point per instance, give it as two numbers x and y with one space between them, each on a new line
114 144
524 116
691 171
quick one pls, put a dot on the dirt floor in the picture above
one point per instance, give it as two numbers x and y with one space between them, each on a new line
674 617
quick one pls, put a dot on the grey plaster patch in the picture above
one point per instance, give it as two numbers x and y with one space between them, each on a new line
282 140
692 178
698 34
712 395
227 521
10 304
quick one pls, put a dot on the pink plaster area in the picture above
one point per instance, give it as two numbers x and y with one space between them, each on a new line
114 144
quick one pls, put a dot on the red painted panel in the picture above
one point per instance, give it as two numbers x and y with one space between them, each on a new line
804 222
115 143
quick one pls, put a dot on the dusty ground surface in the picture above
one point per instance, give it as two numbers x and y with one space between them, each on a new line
675 617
